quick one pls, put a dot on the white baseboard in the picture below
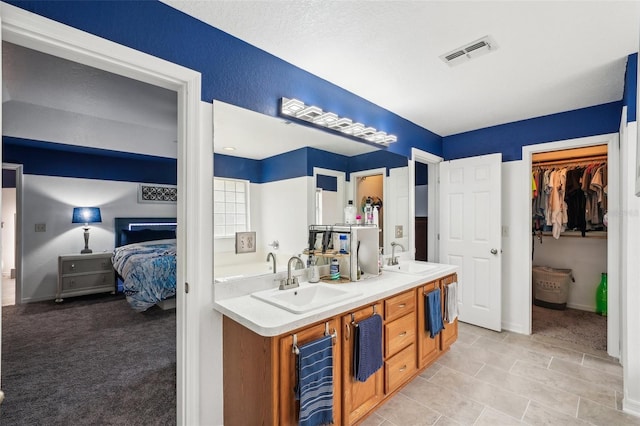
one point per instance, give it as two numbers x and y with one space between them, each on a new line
514 327
588 308
631 407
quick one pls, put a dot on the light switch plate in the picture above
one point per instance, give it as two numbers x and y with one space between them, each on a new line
245 242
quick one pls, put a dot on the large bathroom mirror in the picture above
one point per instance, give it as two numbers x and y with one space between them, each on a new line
275 177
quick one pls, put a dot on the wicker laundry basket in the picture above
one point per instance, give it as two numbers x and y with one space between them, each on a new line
551 287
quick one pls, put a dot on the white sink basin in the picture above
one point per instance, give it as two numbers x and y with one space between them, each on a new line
414 267
305 298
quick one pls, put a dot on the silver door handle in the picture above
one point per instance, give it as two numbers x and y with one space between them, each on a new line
494 251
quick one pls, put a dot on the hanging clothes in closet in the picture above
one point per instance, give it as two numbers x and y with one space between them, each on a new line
569 196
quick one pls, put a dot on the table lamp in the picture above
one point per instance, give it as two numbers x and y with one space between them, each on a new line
86 215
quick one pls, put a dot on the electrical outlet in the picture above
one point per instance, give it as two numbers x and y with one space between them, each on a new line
505 231
399 231
41 227
245 242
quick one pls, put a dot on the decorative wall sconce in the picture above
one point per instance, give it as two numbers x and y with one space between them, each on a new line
312 114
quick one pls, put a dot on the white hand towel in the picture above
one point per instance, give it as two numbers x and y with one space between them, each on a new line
451 302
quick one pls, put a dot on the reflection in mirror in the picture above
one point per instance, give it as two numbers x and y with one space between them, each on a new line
296 176
330 196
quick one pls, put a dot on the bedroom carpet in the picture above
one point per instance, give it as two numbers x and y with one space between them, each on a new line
571 325
91 360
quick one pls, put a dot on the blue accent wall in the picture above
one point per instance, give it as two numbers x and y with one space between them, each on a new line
227 166
232 70
301 162
422 175
509 139
53 159
631 87
377 159
8 178
327 160
327 183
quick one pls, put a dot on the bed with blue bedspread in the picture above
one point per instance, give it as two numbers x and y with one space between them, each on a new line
145 261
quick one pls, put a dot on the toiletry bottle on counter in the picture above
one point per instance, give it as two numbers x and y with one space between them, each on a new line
314 277
344 245
350 213
368 212
334 269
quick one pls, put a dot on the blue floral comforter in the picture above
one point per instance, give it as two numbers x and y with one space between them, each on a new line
148 270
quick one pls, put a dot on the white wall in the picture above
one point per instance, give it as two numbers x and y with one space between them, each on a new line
516 246
50 200
8 230
396 205
332 210
586 257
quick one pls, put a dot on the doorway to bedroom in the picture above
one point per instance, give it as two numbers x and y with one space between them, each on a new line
103 327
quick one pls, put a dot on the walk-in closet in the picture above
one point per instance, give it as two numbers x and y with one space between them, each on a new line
569 244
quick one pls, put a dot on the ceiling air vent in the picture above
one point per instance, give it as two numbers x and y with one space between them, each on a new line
469 51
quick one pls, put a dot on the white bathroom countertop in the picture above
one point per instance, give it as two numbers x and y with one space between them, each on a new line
268 320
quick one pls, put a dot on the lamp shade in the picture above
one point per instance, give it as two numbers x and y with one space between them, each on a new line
86 215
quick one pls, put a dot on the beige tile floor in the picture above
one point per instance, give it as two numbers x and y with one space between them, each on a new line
490 378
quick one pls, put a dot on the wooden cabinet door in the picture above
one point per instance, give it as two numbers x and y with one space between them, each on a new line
450 332
289 406
428 348
358 397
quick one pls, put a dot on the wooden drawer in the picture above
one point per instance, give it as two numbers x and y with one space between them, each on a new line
429 287
400 305
77 266
399 334
399 368
80 282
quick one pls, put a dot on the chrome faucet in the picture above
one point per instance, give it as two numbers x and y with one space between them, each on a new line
393 260
273 259
291 282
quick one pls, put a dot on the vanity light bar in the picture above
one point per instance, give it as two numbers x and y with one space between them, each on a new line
297 109
326 119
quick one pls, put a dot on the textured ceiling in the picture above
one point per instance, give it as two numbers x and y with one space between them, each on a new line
552 56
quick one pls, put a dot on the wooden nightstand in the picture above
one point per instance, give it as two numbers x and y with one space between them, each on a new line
80 274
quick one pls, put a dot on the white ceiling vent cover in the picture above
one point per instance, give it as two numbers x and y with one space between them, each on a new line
470 51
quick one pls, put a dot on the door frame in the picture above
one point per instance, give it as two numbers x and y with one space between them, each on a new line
18 231
340 188
193 163
353 177
433 230
613 235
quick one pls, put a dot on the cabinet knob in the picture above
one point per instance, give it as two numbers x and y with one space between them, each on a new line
404 333
73 266
402 305
404 367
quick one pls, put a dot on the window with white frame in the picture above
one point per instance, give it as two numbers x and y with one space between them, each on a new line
230 207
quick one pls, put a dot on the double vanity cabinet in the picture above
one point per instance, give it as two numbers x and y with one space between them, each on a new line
260 371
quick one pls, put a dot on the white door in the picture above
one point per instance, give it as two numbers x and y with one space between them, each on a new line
470 236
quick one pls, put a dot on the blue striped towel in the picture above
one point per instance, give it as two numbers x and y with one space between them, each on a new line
367 347
433 313
315 382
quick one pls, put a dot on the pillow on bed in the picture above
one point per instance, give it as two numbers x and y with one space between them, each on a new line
130 237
